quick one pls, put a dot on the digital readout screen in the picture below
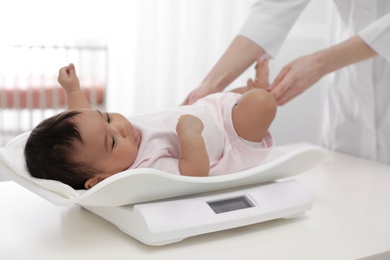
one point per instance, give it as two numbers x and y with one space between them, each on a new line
231 204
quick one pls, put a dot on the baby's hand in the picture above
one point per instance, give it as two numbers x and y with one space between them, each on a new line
68 79
189 124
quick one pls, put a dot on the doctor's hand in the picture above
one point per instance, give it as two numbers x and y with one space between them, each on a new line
201 91
296 77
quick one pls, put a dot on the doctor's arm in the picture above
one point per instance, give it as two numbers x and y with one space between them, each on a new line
194 159
263 32
75 98
303 72
241 54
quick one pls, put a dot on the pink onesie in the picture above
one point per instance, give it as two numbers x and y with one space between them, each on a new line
228 153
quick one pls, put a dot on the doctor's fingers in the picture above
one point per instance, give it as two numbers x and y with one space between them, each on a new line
194 95
287 89
190 99
280 76
290 87
287 96
282 82
186 101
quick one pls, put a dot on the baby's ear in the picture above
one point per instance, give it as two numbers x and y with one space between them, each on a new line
93 181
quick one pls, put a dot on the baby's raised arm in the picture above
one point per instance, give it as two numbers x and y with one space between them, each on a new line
194 159
75 98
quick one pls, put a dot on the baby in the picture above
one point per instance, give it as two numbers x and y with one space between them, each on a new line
221 133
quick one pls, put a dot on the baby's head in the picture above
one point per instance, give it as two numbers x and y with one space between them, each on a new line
81 147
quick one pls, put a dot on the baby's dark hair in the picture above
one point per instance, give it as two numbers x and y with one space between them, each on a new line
50 151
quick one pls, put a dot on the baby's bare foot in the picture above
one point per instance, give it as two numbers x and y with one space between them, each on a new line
262 74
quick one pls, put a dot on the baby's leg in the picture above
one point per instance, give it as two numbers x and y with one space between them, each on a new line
253 114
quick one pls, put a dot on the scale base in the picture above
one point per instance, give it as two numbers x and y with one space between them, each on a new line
170 221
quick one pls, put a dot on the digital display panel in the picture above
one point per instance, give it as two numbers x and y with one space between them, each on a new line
232 204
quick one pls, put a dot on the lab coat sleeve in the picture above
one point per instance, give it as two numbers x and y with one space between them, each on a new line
377 36
270 21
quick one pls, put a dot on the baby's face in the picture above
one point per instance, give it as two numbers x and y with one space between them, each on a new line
110 141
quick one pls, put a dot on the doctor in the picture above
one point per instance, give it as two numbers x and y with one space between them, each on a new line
357 106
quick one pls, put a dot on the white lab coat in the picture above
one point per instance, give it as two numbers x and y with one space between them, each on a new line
357 106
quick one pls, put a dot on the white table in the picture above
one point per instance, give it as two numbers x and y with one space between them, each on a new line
350 219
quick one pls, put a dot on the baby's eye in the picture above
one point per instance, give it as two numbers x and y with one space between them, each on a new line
113 143
108 118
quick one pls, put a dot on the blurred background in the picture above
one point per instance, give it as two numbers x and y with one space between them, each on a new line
138 56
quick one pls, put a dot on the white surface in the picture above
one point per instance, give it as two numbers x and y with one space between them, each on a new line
349 220
170 221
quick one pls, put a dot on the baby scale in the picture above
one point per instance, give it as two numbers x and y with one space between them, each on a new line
159 208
